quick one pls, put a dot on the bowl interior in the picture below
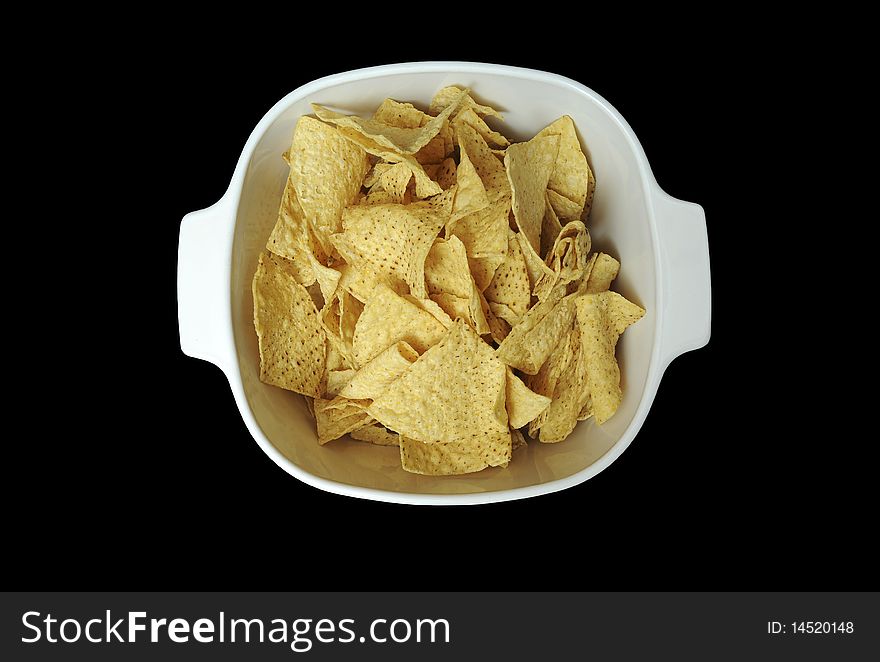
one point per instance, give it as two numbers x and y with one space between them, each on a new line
619 225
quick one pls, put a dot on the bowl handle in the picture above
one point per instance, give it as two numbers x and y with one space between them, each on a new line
687 295
204 256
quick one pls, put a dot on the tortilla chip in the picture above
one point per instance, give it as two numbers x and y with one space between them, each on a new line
449 95
484 235
550 228
371 380
535 266
291 340
510 284
326 170
470 195
523 404
433 309
399 139
291 237
425 187
571 394
454 458
565 209
446 174
490 170
392 240
571 173
468 116
538 333
623 313
603 272
529 165
403 115
517 439
389 318
545 380
591 190
376 434
338 417
327 277
395 179
498 327
337 379
567 259
601 318
432 153
454 392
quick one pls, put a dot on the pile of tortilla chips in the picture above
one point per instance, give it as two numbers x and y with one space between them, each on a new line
430 285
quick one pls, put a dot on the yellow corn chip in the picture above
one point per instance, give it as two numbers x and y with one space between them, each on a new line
395 179
291 340
484 234
545 380
433 309
392 240
470 195
535 266
454 392
371 380
517 439
498 327
326 170
468 116
432 153
571 394
449 95
399 139
337 379
389 318
603 272
571 173
375 434
425 186
510 284
338 417
529 165
550 228
601 318
457 457
446 174
564 208
538 333
292 238
567 259
523 404
490 170
403 115
591 190
374 173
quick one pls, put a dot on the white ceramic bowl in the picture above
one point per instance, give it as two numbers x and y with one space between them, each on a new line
660 241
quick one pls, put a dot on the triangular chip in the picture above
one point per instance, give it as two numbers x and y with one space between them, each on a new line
400 139
484 234
529 165
446 173
517 439
451 94
567 259
571 173
376 375
603 272
337 379
550 228
454 392
534 264
470 195
457 457
490 170
425 186
544 381
530 342
510 284
601 318
395 179
523 404
468 116
293 239
291 340
405 115
389 318
338 417
326 170
392 240
376 434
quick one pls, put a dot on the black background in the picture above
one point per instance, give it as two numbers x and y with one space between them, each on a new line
722 487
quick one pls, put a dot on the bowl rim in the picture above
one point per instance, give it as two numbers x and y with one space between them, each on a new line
656 367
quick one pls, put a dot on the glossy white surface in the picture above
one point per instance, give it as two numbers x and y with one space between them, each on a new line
660 241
